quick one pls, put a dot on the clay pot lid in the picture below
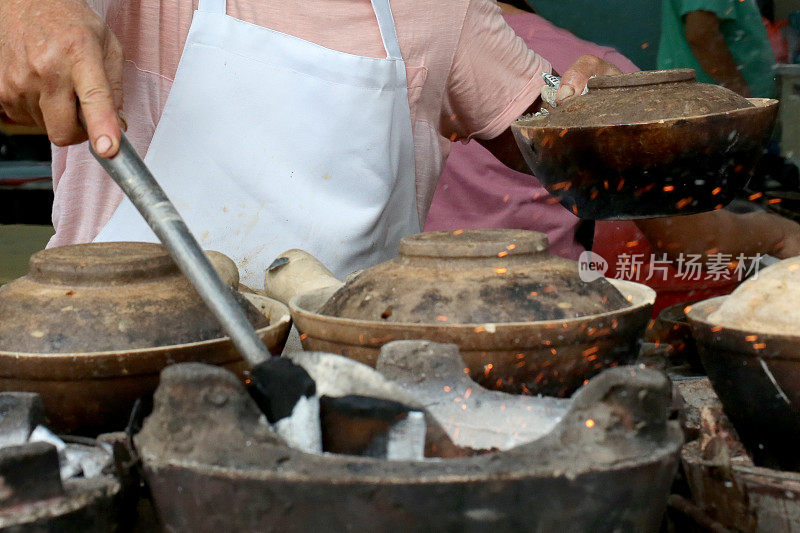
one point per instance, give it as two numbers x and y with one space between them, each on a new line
641 97
473 277
102 263
473 243
102 297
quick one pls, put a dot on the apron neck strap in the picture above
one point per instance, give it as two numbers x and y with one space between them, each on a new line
213 6
383 12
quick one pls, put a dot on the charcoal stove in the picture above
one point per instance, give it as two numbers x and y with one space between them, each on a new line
47 484
214 463
726 489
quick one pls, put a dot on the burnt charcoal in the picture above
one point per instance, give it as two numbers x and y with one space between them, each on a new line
351 424
356 406
277 385
29 472
20 413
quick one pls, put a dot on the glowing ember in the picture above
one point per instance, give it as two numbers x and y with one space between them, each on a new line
501 270
589 423
716 191
669 188
755 196
303 336
759 346
683 202
687 309
441 318
511 246
502 254
751 338
716 329
446 388
458 232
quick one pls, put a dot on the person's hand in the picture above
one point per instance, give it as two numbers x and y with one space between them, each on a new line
54 55
574 80
789 244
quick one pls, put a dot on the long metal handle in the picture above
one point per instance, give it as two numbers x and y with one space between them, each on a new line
134 178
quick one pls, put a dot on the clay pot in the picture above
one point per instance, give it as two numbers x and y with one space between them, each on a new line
474 289
108 296
92 325
473 277
653 143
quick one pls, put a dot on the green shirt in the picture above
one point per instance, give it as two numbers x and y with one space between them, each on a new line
744 33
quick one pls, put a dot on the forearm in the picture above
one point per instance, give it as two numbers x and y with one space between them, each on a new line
709 47
718 231
504 146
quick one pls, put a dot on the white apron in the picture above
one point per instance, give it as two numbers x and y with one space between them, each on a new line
269 142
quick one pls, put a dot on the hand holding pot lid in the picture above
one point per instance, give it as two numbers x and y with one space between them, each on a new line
653 143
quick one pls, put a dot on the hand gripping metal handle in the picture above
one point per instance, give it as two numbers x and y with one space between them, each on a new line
133 177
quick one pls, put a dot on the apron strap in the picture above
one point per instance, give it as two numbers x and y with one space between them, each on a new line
383 12
212 6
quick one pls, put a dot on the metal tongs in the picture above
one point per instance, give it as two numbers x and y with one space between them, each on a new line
133 177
